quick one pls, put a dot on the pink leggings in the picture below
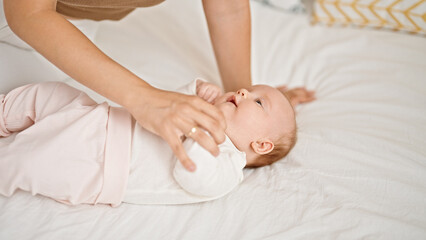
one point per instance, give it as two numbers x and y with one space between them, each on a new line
57 142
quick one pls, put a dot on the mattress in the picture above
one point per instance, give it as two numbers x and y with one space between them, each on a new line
358 170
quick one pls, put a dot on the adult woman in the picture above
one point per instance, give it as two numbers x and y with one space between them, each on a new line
170 115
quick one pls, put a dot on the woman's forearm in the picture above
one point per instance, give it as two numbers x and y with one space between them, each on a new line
37 23
230 32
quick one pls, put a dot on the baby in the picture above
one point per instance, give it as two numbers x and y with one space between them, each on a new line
260 122
57 142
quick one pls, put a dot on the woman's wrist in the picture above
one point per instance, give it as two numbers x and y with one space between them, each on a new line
134 96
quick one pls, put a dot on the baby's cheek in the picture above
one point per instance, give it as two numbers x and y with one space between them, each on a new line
251 119
244 119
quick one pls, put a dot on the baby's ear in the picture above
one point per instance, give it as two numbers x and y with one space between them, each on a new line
262 146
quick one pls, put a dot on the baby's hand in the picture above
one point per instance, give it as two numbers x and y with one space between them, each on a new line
208 91
298 95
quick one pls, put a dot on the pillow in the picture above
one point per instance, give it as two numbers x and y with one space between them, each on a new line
399 15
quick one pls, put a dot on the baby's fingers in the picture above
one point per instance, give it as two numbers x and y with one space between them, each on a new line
282 88
208 95
213 95
308 96
202 92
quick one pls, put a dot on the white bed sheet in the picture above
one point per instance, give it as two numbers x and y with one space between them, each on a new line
358 170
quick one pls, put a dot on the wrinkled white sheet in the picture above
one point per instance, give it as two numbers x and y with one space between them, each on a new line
358 170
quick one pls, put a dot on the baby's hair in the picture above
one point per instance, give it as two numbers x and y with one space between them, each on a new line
282 147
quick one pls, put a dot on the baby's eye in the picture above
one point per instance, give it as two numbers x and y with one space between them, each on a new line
258 102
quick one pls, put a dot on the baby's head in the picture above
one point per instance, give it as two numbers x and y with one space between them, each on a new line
260 122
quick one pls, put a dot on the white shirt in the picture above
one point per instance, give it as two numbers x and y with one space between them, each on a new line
157 177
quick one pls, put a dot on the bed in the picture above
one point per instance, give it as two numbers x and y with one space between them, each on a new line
358 170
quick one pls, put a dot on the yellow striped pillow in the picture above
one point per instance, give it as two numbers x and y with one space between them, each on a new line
399 15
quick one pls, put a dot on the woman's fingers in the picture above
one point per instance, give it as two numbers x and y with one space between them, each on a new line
175 144
211 119
170 115
201 137
192 129
187 117
212 112
205 116
192 115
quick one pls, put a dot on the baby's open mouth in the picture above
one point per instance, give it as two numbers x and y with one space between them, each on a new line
232 100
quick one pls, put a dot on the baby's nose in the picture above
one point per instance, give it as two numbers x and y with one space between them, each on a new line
243 92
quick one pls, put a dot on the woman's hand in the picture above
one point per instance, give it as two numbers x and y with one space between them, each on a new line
172 115
298 95
208 91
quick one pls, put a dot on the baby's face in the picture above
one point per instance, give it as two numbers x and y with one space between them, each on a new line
255 113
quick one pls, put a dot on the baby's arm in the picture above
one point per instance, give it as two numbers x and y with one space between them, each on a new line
298 95
214 176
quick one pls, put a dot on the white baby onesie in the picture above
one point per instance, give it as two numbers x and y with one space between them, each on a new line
157 177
